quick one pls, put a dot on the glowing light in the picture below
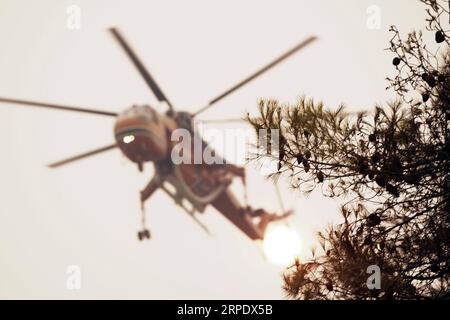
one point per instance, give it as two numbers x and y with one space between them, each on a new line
128 139
281 244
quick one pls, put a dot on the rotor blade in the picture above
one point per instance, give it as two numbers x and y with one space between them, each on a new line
81 156
56 106
258 73
140 67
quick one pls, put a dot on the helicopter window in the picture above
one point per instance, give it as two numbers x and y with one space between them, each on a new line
143 113
148 114
154 115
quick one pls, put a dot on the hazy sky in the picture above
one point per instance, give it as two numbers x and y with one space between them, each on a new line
87 214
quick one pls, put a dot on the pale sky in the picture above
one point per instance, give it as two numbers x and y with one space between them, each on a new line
87 214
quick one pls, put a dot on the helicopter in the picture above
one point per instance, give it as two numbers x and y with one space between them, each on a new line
143 135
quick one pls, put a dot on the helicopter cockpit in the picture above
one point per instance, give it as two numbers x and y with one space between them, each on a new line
140 134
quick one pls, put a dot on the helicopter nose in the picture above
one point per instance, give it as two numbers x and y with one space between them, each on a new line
140 138
140 144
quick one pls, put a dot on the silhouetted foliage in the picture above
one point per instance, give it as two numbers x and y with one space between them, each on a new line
391 167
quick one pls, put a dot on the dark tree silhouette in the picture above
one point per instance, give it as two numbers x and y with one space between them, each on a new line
392 169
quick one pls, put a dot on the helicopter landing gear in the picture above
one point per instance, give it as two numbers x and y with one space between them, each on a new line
144 233
145 194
